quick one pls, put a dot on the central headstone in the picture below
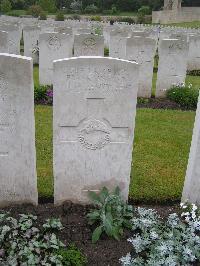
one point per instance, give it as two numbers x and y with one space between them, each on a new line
94 113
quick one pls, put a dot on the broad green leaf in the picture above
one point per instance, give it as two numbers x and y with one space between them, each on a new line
93 216
117 191
96 234
108 225
103 194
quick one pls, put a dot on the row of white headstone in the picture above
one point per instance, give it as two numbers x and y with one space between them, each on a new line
173 53
33 29
92 127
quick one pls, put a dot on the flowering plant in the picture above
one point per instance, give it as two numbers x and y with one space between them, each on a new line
185 95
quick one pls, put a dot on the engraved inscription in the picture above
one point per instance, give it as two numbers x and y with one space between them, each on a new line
89 42
3 83
54 43
94 134
100 80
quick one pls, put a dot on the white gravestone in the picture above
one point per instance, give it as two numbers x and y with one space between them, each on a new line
14 37
4 45
31 41
142 51
191 190
18 180
64 29
194 53
172 66
88 45
94 119
117 45
52 46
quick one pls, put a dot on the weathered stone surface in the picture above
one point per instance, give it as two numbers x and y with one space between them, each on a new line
172 67
93 128
52 46
4 45
18 181
88 45
117 45
63 29
14 37
31 42
191 190
194 53
142 51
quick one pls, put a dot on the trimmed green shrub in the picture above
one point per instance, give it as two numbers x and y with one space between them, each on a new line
60 16
5 6
129 20
96 18
185 95
34 11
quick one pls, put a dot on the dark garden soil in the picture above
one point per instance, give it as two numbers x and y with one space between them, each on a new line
154 103
76 230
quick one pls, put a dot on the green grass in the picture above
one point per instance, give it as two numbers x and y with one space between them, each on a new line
17 13
161 148
36 75
44 148
194 24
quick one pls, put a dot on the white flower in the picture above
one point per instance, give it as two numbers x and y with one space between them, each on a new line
185 214
193 215
194 207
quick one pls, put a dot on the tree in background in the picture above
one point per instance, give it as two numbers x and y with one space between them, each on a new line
48 5
76 6
5 6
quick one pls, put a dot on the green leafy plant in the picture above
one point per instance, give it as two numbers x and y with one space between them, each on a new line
174 241
111 214
43 95
72 256
185 95
22 243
